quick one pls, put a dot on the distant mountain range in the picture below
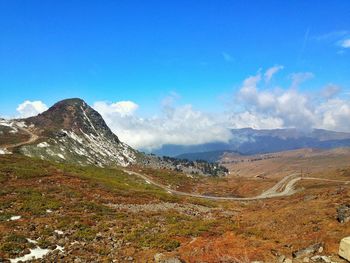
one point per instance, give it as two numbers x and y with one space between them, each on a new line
250 141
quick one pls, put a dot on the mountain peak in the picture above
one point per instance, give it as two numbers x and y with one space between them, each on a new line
72 115
73 130
75 102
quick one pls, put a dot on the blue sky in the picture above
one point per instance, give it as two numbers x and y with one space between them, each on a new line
142 51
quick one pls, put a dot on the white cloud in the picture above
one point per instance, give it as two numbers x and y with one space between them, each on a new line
256 105
345 43
335 115
254 120
275 108
123 108
175 125
271 71
31 108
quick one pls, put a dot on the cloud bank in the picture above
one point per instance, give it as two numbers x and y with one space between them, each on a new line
175 125
290 108
257 104
31 108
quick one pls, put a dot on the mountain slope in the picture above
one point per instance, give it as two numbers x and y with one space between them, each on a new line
71 131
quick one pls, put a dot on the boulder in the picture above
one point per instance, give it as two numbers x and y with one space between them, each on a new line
344 248
343 213
308 250
321 259
161 258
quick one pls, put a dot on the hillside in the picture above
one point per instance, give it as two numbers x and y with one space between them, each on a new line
73 131
72 213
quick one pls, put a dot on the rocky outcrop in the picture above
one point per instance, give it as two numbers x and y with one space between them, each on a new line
344 248
343 213
310 250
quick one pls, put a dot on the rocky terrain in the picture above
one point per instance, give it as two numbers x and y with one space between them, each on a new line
70 213
71 191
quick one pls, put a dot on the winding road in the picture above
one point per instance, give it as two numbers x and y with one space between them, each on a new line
32 138
284 187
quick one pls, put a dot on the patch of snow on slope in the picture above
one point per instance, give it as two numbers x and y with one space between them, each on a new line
35 253
6 123
96 148
59 232
61 156
14 218
21 124
43 145
88 119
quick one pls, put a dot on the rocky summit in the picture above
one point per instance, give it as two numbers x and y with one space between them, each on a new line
74 132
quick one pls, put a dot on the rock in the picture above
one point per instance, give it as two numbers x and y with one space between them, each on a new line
306 259
281 259
344 248
99 236
288 260
310 197
321 259
307 251
161 258
343 213
275 252
52 247
61 242
171 260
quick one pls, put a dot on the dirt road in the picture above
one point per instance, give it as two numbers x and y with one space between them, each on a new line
32 138
283 188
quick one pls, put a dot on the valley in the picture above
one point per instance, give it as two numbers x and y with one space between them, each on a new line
69 194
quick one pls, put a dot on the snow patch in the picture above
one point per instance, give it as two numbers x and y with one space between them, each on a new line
21 124
43 145
6 123
32 241
61 156
35 253
58 232
14 218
